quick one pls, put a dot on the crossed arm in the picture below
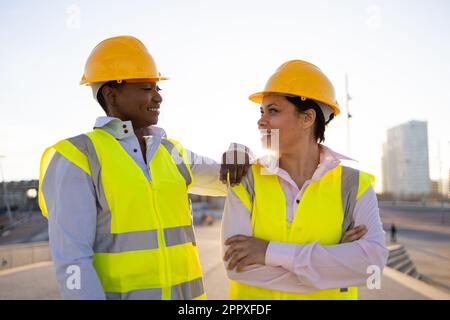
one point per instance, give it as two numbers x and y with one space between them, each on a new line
303 268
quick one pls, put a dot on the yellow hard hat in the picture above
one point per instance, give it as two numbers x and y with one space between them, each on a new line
303 79
120 58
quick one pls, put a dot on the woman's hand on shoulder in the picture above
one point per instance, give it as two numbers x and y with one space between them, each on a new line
354 233
244 251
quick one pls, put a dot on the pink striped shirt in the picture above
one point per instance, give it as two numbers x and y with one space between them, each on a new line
310 267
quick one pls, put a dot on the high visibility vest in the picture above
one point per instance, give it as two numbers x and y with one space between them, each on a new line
145 245
323 214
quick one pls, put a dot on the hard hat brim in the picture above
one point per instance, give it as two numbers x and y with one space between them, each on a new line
259 96
83 80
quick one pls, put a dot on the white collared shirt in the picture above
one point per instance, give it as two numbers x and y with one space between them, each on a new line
310 267
71 202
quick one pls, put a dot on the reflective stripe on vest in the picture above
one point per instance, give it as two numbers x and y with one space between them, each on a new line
178 160
183 291
144 246
188 290
122 242
179 235
349 192
332 199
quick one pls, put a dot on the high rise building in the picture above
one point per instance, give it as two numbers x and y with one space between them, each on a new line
405 166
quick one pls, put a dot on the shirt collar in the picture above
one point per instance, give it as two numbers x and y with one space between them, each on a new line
328 160
123 129
331 155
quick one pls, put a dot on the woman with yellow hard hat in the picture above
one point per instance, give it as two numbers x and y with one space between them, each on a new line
307 227
116 197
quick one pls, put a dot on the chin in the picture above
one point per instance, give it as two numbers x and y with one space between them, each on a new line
152 122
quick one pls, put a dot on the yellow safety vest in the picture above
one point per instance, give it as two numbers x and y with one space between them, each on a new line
145 245
323 214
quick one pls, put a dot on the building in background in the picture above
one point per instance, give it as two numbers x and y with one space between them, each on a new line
18 201
20 195
448 185
405 164
436 187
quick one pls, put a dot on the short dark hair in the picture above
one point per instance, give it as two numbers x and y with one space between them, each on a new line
320 123
101 98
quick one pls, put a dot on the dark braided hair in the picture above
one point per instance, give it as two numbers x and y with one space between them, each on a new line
101 98
320 123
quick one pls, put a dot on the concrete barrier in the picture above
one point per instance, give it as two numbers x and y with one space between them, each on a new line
17 255
422 288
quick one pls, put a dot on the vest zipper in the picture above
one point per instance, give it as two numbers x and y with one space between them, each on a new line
164 263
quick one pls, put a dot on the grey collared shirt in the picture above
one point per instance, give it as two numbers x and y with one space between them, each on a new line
72 212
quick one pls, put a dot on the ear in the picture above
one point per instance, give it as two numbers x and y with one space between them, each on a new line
109 95
310 118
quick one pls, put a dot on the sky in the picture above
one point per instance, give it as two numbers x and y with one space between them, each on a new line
216 54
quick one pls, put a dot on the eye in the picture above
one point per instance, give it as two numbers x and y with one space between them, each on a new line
272 110
157 89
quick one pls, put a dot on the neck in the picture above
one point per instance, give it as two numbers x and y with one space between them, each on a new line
301 160
139 132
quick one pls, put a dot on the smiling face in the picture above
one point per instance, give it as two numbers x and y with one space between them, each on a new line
137 102
294 127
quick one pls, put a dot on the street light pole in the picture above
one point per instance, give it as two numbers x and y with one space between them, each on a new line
347 107
5 193
443 194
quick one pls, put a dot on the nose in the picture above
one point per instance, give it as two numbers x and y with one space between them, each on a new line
262 123
157 97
